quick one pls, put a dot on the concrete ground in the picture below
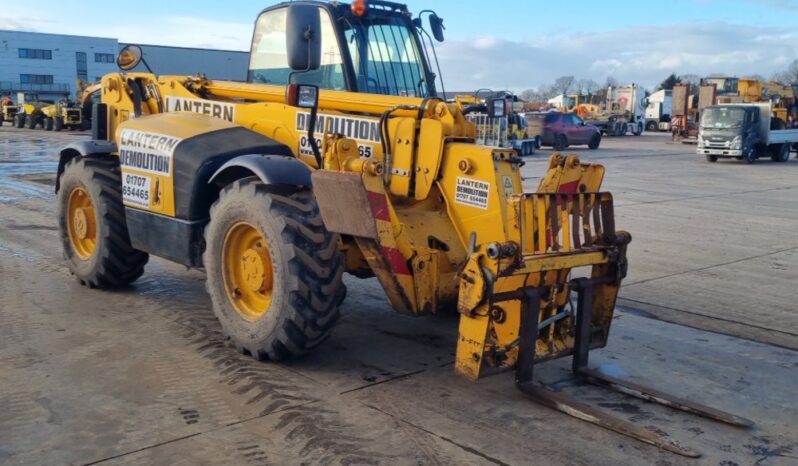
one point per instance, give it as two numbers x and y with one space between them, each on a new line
142 375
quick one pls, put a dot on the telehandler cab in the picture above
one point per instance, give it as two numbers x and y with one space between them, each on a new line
336 157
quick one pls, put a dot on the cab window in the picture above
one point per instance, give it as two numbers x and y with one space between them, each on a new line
269 60
385 57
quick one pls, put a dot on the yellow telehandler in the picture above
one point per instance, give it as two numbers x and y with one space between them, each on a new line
337 157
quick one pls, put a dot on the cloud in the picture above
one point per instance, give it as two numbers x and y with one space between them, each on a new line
644 55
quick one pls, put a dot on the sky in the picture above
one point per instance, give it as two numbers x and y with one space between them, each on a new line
503 44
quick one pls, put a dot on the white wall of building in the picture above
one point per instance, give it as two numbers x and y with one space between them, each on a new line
62 66
216 64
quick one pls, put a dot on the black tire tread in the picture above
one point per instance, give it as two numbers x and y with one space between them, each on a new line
314 259
119 264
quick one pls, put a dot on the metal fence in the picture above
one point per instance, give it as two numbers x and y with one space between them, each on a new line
10 86
490 131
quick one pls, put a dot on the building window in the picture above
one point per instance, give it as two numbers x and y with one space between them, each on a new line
82 66
36 78
104 58
39 54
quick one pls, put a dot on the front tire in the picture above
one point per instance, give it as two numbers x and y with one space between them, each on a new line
58 123
19 121
274 272
652 126
92 225
30 122
595 142
712 158
48 124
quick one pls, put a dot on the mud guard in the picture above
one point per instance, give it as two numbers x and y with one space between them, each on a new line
93 148
270 169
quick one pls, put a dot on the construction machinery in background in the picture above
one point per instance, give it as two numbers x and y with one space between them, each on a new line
509 130
62 115
322 164
659 108
745 131
29 114
8 112
622 112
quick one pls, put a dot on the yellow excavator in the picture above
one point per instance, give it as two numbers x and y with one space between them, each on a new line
338 157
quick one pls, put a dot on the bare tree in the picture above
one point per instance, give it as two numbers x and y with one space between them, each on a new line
610 82
788 76
587 86
531 95
563 84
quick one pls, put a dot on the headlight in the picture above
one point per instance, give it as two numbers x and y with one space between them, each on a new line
700 142
737 143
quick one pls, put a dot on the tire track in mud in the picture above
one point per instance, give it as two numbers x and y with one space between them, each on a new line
305 423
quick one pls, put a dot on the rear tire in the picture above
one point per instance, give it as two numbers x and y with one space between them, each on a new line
58 123
712 158
19 121
595 142
652 126
298 286
780 153
48 124
111 262
30 122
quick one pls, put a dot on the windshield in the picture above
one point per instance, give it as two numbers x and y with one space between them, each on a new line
722 118
269 59
385 57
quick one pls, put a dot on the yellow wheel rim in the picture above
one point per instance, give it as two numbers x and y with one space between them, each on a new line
81 224
247 270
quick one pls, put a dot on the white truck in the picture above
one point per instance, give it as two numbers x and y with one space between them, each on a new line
659 110
745 132
623 111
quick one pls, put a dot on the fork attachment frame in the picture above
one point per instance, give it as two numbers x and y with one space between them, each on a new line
530 309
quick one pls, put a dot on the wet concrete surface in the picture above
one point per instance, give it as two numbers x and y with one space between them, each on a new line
142 375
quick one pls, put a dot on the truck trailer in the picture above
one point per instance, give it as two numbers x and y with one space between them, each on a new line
623 111
659 108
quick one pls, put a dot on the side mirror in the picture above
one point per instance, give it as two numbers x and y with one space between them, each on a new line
129 57
436 26
303 34
497 108
302 95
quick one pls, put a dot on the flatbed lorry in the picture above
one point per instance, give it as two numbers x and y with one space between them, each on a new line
745 132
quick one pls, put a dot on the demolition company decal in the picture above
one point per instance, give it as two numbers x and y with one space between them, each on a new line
366 151
472 192
148 152
361 129
219 110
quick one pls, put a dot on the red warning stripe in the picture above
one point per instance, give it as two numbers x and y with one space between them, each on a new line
379 206
569 187
396 260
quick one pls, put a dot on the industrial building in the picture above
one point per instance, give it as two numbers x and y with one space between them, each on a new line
48 66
